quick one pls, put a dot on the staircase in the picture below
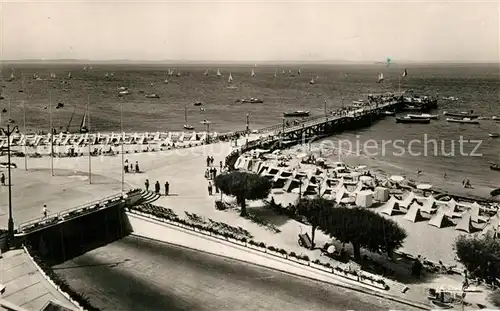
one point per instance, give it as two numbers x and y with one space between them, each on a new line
148 197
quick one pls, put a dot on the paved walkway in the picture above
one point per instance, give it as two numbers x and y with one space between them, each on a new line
183 168
24 285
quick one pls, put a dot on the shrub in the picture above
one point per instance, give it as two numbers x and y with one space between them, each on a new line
262 244
283 252
494 298
272 248
292 254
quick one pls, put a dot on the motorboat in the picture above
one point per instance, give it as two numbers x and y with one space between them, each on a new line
298 113
450 98
462 114
123 93
389 113
412 108
494 135
495 118
152 96
250 101
494 167
464 120
411 120
198 104
423 116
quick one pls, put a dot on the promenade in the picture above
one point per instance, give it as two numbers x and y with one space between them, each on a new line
183 168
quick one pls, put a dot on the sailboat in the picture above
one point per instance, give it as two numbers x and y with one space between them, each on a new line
11 78
178 74
253 73
275 73
283 72
83 125
380 77
166 80
312 81
230 80
218 73
206 73
70 119
298 71
186 125
69 75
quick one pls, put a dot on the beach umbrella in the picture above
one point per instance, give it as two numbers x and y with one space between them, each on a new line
302 155
331 249
361 167
396 178
424 187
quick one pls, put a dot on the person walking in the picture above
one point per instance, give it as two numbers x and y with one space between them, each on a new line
146 184
137 166
2 179
210 188
157 187
167 186
45 211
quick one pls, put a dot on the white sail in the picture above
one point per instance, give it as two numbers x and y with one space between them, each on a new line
218 73
283 72
275 73
380 77
69 75
312 81
298 71
253 73
230 79
166 81
206 72
11 76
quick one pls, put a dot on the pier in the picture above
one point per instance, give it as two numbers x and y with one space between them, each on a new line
313 128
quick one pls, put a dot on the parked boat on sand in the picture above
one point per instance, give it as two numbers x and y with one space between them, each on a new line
462 114
494 135
464 120
410 120
298 113
494 167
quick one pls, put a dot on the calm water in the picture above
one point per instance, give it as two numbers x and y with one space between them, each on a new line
476 86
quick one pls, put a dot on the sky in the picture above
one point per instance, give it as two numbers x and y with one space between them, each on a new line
238 30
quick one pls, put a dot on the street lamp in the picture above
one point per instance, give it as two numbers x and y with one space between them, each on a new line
8 132
248 128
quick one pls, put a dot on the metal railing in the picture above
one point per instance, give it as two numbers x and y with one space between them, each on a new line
78 211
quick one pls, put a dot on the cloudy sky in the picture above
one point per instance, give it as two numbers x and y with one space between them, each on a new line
251 30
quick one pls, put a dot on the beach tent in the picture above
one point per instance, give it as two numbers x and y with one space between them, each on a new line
465 223
406 202
291 184
439 220
413 213
390 207
429 205
340 194
452 207
474 212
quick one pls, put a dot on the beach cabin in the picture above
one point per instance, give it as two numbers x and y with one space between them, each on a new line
381 194
364 198
406 202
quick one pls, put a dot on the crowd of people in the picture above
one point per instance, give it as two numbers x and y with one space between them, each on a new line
158 187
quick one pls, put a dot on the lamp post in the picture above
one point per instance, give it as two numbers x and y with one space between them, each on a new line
248 128
8 132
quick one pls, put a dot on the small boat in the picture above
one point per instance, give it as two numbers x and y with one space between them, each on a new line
122 93
230 79
494 135
312 81
253 73
450 98
152 96
494 167
186 125
462 114
423 116
218 73
410 120
412 108
495 118
250 101
206 73
298 113
389 113
178 74
198 104
166 81
83 125
464 120
380 77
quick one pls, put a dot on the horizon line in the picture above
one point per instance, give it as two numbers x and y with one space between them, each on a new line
169 61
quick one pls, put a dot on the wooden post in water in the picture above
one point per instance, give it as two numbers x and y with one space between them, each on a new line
25 138
90 140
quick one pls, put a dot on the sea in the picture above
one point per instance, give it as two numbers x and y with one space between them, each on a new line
453 150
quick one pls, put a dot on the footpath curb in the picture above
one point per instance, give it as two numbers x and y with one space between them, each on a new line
340 283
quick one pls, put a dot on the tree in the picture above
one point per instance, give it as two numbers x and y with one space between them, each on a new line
364 228
244 186
480 255
314 210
